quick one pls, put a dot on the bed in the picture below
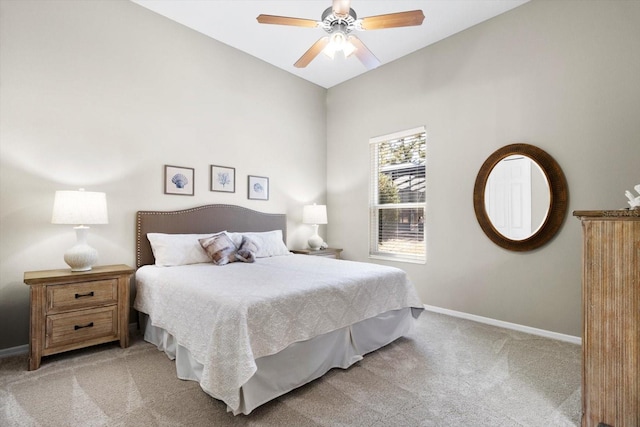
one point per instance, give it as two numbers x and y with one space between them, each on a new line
249 332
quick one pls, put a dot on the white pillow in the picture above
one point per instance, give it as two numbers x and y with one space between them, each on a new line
178 249
269 243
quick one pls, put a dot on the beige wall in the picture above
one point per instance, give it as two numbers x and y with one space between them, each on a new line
562 75
101 95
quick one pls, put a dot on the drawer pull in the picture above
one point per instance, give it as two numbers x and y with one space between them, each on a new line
89 294
88 325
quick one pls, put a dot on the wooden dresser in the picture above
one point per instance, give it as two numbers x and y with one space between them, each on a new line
611 318
70 310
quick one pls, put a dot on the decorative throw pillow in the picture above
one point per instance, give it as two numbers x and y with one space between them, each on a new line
220 248
247 251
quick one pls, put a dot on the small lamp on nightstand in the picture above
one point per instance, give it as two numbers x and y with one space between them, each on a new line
80 208
315 215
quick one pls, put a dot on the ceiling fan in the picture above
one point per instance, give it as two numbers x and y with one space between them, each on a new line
339 21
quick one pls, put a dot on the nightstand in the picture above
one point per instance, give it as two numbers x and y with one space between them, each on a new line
71 310
327 253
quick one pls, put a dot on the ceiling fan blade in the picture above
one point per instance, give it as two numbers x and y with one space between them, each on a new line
285 20
392 20
364 54
341 7
313 51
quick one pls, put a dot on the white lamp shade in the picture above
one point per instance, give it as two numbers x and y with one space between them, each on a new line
80 207
314 214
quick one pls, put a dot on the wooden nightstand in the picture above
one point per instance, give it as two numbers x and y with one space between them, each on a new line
79 309
327 253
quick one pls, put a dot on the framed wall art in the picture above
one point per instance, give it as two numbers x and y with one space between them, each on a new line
223 178
258 188
178 180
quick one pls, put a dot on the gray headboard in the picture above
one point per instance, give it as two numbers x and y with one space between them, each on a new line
201 219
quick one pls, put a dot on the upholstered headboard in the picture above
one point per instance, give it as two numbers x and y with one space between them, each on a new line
200 220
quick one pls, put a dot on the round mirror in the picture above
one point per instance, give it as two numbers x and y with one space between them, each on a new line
520 197
516 197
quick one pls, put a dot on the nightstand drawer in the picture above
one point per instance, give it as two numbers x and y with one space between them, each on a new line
79 295
82 326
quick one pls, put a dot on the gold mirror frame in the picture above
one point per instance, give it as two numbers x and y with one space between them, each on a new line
558 197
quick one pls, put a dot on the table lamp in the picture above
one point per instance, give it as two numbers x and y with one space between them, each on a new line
315 215
80 208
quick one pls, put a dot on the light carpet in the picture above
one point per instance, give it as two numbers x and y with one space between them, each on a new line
450 372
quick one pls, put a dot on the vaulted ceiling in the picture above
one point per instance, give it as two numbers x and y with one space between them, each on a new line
233 22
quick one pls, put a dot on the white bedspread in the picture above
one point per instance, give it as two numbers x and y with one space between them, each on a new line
228 316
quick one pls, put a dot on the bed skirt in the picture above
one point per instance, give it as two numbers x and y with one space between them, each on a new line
300 362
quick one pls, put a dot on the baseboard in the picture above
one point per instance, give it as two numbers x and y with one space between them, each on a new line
14 351
507 325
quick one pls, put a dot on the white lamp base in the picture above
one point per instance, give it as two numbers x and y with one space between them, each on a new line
81 257
315 241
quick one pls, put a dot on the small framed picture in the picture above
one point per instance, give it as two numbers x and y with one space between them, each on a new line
223 178
258 188
178 180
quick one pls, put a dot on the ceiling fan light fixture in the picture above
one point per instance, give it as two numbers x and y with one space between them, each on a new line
329 51
336 43
348 49
339 42
338 39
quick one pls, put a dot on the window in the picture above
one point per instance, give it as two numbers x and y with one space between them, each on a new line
397 196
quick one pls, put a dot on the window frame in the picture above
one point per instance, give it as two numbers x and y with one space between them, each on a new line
375 207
